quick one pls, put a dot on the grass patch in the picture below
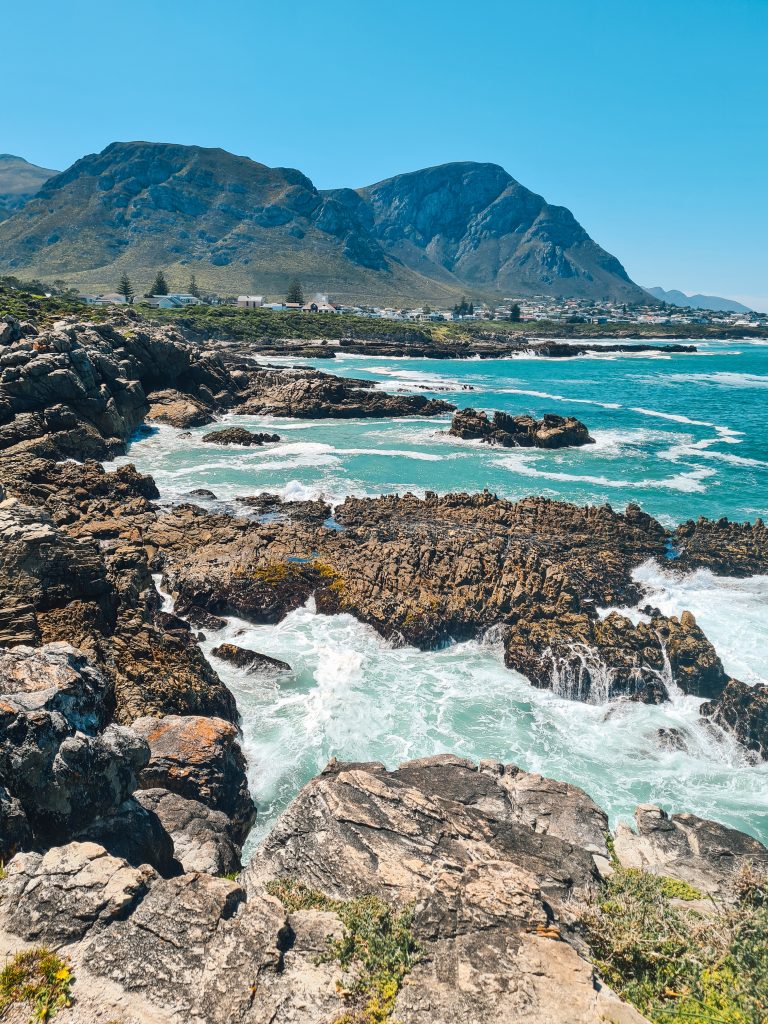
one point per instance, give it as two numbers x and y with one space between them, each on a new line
377 943
38 978
677 965
676 890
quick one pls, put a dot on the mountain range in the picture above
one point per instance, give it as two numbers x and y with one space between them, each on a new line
712 302
19 181
238 225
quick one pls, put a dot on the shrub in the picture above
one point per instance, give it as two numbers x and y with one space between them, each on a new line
39 978
679 965
377 943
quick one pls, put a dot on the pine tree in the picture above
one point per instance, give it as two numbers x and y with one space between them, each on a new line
160 287
126 289
514 313
295 293
193 289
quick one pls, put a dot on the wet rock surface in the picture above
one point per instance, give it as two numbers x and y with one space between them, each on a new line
742 711
520 431
241 657
239 436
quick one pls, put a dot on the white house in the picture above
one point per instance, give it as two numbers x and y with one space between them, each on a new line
107 299
250 301
176 300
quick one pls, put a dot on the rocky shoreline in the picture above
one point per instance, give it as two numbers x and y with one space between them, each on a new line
123 791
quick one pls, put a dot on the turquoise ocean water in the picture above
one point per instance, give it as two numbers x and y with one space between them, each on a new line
682 435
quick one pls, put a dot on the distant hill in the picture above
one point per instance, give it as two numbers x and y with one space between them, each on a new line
19 181
713 302
431 235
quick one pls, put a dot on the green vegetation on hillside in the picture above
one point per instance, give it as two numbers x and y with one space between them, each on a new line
679 964
266 325
27 300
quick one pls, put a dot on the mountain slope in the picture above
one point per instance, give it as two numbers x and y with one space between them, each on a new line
713 302
19 181
477 224
240 225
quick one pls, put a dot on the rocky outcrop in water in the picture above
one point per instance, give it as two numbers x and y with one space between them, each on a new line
80 390
240 436
310 394
241 657
742 711
585 657
726 548
520 431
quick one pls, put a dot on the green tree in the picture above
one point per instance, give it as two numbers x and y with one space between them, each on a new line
160 287
514 313
126 288
295 292
193 288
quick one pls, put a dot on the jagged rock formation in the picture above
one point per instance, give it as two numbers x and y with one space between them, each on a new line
238 435
743 711
252 660
702 853
493 862
538 569
520 431
123 789
594 659
427 235
726 548
310 394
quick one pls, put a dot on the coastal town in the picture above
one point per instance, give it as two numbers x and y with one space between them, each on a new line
529 309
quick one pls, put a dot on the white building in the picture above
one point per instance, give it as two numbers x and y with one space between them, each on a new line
108 299
176 300
250 301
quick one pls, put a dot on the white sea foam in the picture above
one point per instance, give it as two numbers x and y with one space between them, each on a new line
353 696
725 379
724 432
398 453
732 612
690 482
558 398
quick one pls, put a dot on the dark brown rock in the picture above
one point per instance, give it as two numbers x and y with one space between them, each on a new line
742 711
241 657
240 436
520 431
200 759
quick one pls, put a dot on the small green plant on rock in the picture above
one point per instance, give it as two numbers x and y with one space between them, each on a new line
38 978
378 944
676 964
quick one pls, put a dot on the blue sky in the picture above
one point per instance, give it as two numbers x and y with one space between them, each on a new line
648 120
